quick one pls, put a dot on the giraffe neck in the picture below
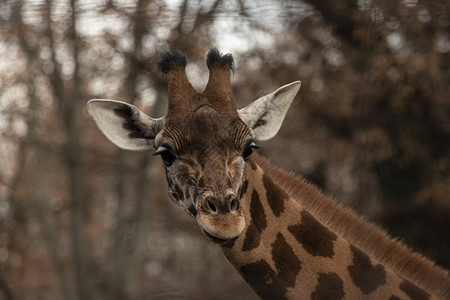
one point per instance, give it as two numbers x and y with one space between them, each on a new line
285 253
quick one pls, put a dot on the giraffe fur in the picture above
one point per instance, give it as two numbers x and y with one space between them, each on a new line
285 238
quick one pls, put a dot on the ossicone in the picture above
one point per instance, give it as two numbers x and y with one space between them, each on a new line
171 60
181 93
218 89
215 59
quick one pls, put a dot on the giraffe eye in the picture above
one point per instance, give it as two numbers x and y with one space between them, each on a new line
248 151
166 155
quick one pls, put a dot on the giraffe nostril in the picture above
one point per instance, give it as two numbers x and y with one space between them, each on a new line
234 204
211 206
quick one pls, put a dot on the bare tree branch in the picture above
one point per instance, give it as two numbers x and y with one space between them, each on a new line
4 287
55 77
183 11
70 114
126 219
202 18
48 225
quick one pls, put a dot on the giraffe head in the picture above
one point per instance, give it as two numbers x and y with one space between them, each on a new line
203 140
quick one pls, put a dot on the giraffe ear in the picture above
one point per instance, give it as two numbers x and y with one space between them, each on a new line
124 124
266 114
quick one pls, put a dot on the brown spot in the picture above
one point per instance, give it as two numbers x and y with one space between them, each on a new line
257 212
175 196
169 179
230 243
366 276
192 210
314 237
184 176
393 297
330 287
187 193
202 158
286 262
244 188
252 238
269 283
195 196
413 291
263 280
275 196
178 191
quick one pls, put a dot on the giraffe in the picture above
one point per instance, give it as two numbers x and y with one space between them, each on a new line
285 238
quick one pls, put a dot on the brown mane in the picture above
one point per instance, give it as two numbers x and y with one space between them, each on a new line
361 233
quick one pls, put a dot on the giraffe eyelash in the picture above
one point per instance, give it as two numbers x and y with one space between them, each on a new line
166 154
248 150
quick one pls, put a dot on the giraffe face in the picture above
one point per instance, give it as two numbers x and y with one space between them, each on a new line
204 157
204 141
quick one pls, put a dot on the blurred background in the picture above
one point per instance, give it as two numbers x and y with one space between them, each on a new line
81 219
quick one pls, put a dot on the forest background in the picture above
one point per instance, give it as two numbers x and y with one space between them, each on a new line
81 219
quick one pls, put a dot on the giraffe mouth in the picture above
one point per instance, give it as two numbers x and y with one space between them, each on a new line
221 227
214 239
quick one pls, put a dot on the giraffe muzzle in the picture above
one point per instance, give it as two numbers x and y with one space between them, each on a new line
213 205
221 218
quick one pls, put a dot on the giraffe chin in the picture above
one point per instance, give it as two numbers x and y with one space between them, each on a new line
221 227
